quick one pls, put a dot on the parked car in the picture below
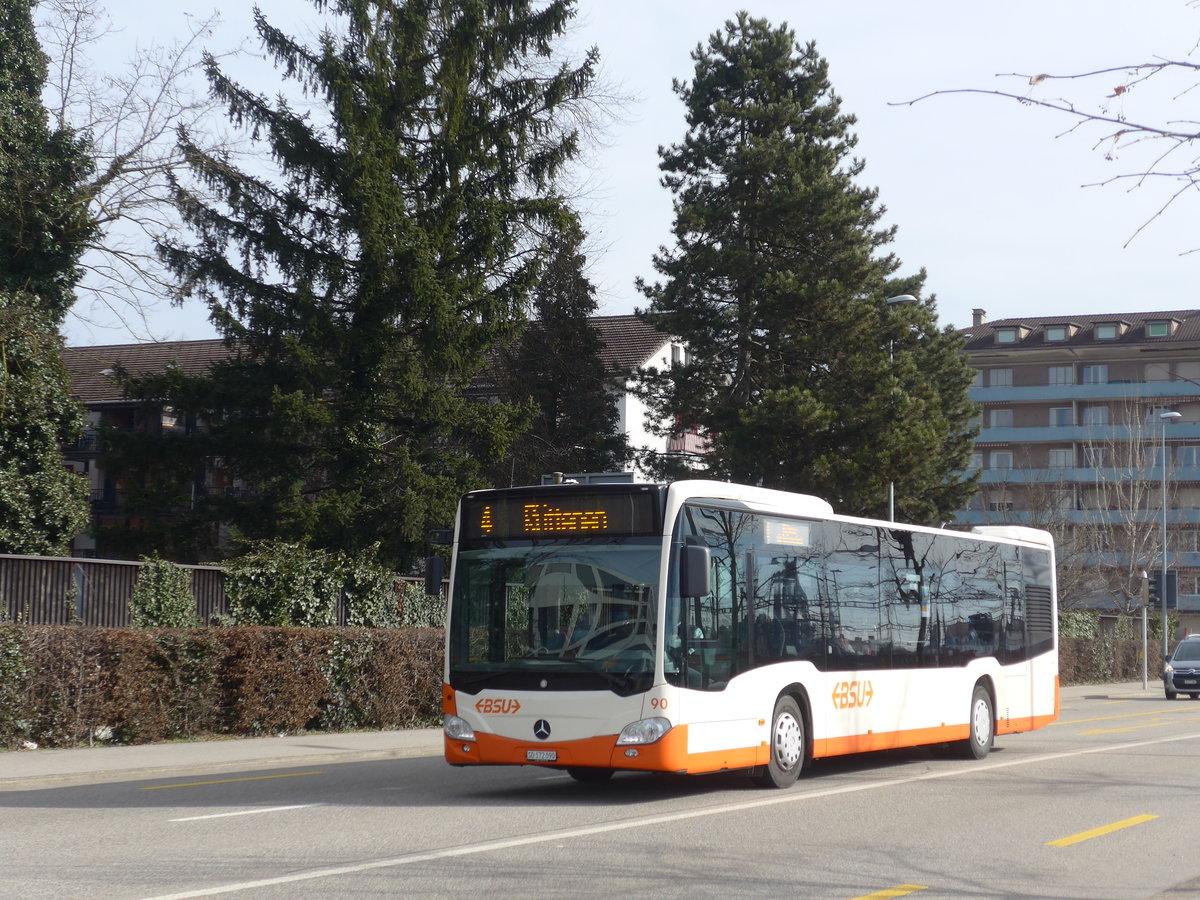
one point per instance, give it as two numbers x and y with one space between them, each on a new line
1181 674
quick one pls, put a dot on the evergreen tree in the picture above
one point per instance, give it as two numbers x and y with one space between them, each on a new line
800 375
43 227
365 282
556 369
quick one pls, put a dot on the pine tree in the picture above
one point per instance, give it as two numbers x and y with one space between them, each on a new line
367 280
43 227
555 367
800 375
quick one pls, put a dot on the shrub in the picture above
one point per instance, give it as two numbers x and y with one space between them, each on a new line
15 713
162 596
419 609
282 584
287 584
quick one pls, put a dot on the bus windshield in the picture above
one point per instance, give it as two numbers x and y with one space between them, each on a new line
555 615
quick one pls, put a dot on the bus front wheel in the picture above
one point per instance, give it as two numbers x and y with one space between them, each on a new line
787 746
981 724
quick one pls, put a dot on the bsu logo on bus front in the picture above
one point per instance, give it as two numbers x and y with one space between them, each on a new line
851 694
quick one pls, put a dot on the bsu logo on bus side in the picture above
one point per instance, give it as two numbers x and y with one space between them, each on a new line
852 694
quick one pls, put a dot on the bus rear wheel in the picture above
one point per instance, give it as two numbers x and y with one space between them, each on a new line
981 724
787 746
588 775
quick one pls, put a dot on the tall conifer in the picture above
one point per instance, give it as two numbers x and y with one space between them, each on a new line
43 227
800 375
364 284
556 368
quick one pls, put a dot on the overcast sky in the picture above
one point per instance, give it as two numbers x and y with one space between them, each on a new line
989 199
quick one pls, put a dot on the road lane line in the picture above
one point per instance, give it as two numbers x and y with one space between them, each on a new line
1099 832
167 787
900 890
648 821
1153 712
246 812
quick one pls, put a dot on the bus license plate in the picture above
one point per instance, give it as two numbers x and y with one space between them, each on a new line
541 755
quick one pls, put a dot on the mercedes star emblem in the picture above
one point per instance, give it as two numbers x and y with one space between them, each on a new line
541 729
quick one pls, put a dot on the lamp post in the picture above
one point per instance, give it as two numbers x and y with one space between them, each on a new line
902 300
1166 418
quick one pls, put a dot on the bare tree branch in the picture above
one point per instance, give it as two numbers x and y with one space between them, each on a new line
1120 132
131 116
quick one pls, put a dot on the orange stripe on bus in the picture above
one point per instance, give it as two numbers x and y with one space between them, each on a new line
449 705
667 755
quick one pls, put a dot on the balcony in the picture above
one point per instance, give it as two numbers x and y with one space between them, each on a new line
1153 517
1062 434
1087 475
1112 390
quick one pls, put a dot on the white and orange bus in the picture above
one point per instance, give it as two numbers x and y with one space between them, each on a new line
703 627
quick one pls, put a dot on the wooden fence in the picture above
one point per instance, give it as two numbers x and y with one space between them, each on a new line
51 590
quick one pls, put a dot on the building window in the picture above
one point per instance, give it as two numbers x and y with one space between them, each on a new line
1000 505
977 380
1006 335
1062 458
1000 459
1056 332
1095 374
1158 329
1106 332
1061 416
976 461
1095 457
1000 378
1062 498
1188 455
1060 375
1095 415
1000 418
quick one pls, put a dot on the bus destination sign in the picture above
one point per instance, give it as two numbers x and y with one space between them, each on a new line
572 514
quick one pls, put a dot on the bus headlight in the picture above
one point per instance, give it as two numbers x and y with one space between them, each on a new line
457 729
644 731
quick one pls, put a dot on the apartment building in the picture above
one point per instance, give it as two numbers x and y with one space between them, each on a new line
1073 433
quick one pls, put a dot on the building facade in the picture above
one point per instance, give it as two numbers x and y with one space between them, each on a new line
628 345
1077 412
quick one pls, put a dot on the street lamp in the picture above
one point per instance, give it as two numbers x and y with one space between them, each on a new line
902 300
1166 418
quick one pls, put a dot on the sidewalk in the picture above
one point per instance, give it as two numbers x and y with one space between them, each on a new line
33 768
39 768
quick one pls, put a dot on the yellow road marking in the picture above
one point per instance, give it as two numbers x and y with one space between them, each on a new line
1153 712
1099 832
901 890
1158 723
163 787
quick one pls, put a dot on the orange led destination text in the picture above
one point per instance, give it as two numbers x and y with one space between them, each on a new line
544 517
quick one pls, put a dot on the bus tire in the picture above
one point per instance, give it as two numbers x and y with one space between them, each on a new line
981 725
787 746
589 775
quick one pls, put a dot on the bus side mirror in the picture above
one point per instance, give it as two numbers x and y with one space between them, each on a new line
435 570
694 571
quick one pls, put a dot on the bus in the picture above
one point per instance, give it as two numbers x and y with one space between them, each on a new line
701 627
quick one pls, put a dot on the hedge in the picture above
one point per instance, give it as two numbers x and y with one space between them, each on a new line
66 686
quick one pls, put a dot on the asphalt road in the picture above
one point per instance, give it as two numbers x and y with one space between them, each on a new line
1102 804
